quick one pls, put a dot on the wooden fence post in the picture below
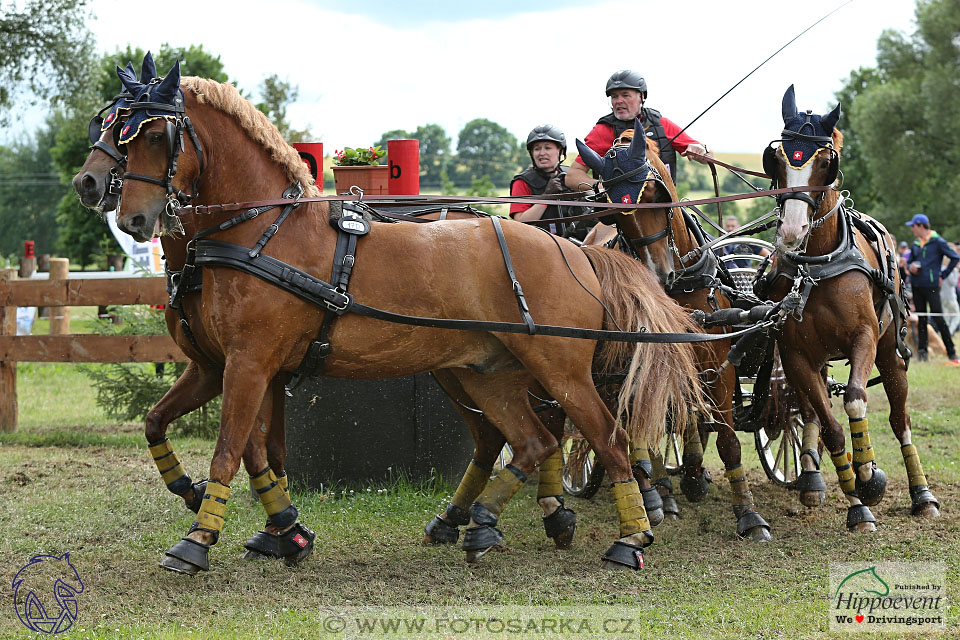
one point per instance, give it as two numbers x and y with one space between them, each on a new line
8 370
59 316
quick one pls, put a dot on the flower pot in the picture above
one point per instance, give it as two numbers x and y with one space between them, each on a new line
372 179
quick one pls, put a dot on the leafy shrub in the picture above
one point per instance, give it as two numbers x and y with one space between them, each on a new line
128 390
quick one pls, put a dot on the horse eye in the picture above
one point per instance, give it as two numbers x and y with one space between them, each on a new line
154 138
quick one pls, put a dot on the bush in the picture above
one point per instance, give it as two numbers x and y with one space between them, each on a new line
127 391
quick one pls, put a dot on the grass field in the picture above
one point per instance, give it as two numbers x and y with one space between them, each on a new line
72 481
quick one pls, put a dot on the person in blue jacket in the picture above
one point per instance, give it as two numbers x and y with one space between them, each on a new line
926 270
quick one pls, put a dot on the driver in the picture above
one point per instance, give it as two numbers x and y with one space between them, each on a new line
627 91
547 147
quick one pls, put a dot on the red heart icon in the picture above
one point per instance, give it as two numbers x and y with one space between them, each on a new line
859 618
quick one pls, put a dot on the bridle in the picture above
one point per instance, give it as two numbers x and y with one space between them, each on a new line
95 130
176 123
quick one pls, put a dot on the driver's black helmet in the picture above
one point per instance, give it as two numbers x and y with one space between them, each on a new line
550 133
626 79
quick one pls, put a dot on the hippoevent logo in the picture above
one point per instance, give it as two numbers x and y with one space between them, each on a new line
903 597
45 593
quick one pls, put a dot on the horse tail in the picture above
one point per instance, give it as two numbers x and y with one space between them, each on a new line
661 378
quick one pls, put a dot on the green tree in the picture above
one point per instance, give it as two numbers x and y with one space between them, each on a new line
29 191
486 148
82 234
277 95
906 119
435 154
393 134
45 48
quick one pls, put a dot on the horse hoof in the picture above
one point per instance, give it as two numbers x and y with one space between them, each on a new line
655 516
179 566
187 556
695 489
560 526
752 526
758 534
928 510
813 498
255 555
439 531
623 556
477 541
860 519
671 510
871 491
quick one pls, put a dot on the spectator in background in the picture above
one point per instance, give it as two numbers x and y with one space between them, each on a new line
903 257
926 271
948 296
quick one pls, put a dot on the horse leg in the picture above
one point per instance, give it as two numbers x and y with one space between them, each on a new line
893 372
609 442
244 386
642 468
264 458
661 480
502 396
487 443
696 480
750 524
195 387
559 521
870 481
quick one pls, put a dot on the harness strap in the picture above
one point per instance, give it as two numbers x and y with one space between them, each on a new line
517 289
110 151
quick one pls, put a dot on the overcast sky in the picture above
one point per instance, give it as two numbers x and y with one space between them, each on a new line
364 67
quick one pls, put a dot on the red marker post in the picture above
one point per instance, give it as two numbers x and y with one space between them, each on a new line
404 160
312 155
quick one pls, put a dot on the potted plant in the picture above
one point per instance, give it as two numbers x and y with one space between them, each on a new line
360 168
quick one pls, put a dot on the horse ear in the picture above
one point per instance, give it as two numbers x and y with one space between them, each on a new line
589 156
148 70
169 85
829 121
638 146
789 105
128 78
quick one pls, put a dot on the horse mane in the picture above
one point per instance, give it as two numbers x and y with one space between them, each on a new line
225 97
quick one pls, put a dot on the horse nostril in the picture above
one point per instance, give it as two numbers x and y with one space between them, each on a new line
137 222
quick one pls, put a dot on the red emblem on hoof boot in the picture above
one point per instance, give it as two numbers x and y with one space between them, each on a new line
798 155
302 542
639 555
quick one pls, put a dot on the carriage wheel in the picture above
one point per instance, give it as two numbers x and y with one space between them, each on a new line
586 478
506 455
780 454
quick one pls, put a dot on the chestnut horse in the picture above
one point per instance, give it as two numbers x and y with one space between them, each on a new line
96 185
658 237
255 332
844 265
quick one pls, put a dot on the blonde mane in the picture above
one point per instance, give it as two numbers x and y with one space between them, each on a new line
226 98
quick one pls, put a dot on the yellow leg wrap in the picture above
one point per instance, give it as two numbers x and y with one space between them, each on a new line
811 436
284 482
862 449
475 478
213 507
169 466
499 491
272 494
914 470
633 517
844 471
738 486
691 438
639 451
659 470
551 471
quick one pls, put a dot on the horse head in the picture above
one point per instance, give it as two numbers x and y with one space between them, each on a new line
807 154
99 181
628 176
151 137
